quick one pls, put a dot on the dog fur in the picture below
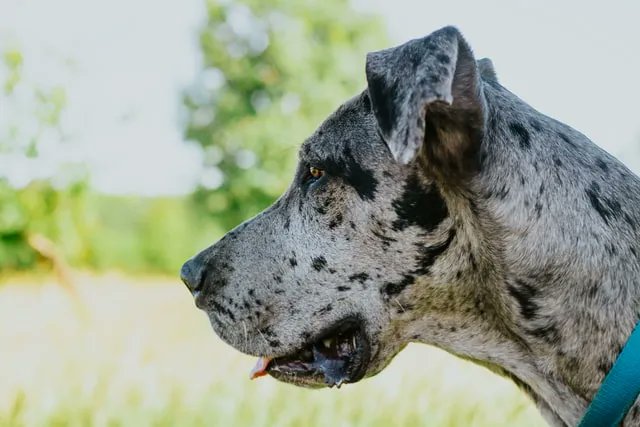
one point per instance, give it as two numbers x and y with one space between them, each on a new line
451 213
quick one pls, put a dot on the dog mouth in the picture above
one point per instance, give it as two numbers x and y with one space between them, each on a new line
337 356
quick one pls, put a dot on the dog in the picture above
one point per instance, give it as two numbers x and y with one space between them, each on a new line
437 207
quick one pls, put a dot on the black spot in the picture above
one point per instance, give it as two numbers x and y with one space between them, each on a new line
274 343
218 307
524 294
522 133
276 277
343 288
268 331
352 225
337 220
444 58
610 249
360 277
556 160
538 209
383 93
366 102
606 208
219 282
293 262
251 292
324 310
419 205
287 223
390 289
386 240
548 333
502 192
604 366
362 180
321 210
629 221
479 305
602 165
472 261
483 155
222 310
429 254
319 263
359 178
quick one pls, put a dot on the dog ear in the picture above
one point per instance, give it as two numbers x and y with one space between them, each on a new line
487 70
426 98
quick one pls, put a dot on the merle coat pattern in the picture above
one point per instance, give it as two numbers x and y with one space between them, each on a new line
450 213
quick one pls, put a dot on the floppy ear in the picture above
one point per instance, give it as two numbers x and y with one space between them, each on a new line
426 96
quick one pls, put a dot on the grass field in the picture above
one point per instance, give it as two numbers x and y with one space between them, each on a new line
135 352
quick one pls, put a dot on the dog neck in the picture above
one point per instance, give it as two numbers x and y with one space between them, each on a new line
521 322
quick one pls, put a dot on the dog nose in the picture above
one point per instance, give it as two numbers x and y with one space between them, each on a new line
192 274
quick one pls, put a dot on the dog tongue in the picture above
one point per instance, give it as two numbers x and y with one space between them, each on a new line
260 370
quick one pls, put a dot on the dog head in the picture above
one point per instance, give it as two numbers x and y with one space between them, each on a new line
327 283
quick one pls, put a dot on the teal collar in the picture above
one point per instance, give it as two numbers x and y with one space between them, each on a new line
619 389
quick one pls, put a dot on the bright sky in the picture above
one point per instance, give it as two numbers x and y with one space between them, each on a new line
124 63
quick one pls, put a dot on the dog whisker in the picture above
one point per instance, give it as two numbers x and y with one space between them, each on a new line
263 337
244 327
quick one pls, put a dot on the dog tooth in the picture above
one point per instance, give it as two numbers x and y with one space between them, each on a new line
327 342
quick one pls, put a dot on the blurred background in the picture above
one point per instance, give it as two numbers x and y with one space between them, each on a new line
135 133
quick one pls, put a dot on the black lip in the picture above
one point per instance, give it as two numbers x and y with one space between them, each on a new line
310 367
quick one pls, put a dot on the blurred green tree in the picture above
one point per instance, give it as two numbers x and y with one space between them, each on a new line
37 207
272 70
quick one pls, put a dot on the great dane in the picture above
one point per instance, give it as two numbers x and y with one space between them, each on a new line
437 207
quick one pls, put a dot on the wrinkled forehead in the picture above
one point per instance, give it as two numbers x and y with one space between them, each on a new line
352 132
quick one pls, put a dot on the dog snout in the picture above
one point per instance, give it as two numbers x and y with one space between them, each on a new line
192 274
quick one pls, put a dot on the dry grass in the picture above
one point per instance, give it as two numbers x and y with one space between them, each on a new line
138 353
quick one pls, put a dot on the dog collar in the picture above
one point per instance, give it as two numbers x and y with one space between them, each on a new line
619 389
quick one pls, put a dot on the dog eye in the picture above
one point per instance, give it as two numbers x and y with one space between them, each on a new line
312 175
315 173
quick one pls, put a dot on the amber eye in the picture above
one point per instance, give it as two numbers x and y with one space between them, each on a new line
315 172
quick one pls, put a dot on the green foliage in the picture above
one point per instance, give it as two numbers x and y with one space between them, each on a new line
13 62
144 234
34 206
14 251
272 71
